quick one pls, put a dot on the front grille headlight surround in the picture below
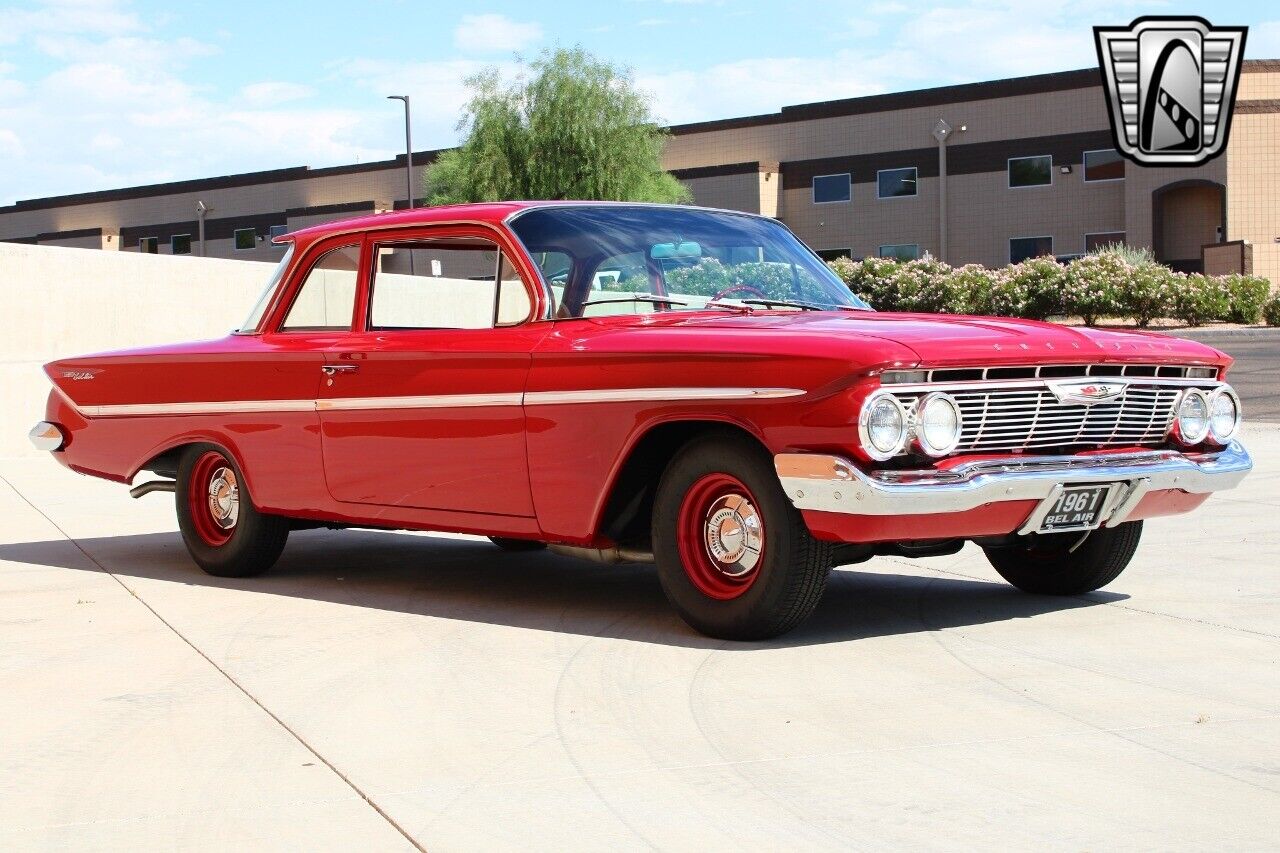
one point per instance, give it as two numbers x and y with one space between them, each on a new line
1224 414
937 423
883 426
1191 418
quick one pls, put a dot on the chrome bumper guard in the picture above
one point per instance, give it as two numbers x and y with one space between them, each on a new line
816 481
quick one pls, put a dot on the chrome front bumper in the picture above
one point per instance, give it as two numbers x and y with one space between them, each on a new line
833 484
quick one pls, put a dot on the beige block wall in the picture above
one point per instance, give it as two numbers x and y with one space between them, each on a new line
1142 181
731 192
1191 219
1259 86
865 223
1253 195
1071 111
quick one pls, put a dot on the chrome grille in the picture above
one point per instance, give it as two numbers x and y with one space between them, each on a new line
1024 414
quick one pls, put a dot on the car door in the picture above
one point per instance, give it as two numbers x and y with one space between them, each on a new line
422 404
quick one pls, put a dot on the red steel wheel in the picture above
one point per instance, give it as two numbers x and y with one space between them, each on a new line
213 498
721 536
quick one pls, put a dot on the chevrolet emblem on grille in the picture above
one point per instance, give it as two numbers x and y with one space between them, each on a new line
1086 393
1170 85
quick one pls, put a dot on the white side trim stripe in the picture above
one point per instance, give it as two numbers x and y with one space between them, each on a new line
438 401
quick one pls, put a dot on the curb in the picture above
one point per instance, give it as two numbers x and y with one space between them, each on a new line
1198 334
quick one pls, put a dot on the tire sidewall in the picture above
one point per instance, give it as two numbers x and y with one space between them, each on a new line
241 548
727 455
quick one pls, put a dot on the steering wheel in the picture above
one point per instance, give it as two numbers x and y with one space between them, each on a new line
740 288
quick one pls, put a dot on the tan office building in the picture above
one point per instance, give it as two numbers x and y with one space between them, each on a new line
977 173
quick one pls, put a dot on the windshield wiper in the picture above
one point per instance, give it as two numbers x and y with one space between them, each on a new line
796 303
636 297
728 306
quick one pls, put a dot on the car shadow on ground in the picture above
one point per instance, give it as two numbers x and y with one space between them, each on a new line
474 581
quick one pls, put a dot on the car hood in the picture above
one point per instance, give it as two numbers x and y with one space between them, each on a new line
962 340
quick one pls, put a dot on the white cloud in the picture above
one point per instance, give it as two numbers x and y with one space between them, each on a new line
97 17
272 93
491 33
10 144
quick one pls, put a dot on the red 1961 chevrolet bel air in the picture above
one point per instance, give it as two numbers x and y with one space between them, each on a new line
635 382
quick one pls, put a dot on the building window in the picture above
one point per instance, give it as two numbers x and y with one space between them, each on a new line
832 254
1031 171
180 244
828 189
900 251
149 245
896 183
245 238
1022 248
1095 242
276 231
1104 165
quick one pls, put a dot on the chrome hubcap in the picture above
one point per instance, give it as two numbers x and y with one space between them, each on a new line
733 535
224 498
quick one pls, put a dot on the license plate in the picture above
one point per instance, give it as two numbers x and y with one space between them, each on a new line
1077 508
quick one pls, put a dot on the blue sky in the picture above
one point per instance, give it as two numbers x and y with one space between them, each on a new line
104 93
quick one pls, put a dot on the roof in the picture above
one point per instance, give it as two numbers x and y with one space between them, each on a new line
490 213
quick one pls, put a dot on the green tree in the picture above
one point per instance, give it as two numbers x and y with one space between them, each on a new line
570 126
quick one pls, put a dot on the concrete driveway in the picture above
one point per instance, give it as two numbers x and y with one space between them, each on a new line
384 691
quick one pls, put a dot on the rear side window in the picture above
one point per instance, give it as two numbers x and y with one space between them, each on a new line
326 300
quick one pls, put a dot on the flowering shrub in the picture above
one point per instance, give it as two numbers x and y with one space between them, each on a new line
1116 282
1198 299
927 286
1038 284
1246 294
1093 286
1148 293
1271 311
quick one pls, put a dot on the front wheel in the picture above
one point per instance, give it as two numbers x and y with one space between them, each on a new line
223 532
734 556
1052 564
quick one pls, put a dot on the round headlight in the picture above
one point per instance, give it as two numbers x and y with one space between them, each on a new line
1192 422
882 426
1224 415
937 424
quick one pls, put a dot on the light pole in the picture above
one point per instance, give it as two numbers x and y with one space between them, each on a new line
202 210
408 148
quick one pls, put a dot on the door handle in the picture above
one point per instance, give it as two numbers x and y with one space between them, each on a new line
331 369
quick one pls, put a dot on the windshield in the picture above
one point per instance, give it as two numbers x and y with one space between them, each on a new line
251 322
620 259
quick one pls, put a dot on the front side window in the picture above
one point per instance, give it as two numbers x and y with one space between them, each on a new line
251 323
1105 165
180 244
896 183
624 259
828 189
449 283
245 239
1024 248
1031 171
900 251
326 300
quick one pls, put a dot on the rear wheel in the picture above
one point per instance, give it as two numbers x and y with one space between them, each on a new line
223 532
734 556
517 545
1048 565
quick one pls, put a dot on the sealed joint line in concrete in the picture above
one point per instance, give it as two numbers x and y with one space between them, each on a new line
228 676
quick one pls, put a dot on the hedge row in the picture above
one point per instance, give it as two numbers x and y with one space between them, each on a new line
1114 283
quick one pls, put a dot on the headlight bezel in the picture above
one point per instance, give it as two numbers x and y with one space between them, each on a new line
1227 392
918 440
1178 431
864 426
